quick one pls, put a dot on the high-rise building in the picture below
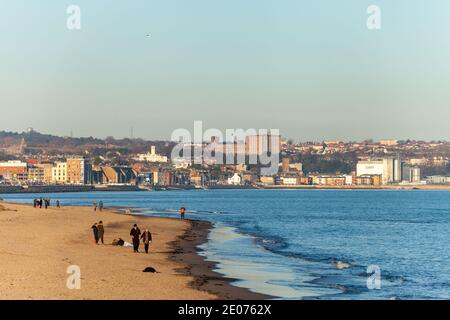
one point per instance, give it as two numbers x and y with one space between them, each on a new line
79 171
263 144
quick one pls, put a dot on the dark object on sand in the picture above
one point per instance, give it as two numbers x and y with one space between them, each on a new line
149 269
118 242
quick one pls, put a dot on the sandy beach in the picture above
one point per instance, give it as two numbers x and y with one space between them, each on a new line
38 245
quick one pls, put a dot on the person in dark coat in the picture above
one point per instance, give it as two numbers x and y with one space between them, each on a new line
100 206
95 230
58 205
101 231
34 203
146 239
135 233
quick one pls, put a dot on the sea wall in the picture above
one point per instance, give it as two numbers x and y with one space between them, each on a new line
65 188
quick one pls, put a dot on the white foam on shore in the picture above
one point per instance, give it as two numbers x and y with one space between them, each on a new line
256 271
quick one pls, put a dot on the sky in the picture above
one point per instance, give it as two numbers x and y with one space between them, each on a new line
311 69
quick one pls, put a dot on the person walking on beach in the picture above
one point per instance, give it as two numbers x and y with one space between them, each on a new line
135 233
58 205
182 211
100 205
40 203
95 230
34 203
146 239
101 231
95 206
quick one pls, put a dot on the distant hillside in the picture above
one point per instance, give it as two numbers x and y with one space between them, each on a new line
15 144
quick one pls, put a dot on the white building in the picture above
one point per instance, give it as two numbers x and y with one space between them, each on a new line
289 181
59 172
13 170
13 164
389 142
371 167
235 180
152 156
348 179
438 180
389 168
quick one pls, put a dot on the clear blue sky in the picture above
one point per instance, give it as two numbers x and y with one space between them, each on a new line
310 68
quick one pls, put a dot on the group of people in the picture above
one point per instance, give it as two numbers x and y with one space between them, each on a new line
99 232
39 203
136 235
98 206
136 238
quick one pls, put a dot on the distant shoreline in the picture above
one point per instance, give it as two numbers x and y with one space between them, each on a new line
65 188
128 188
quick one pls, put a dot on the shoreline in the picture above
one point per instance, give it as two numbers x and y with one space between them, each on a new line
183 274
79 189
186 251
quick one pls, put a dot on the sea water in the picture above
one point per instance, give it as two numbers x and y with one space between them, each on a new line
311 244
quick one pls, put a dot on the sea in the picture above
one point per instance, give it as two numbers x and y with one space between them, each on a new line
310 244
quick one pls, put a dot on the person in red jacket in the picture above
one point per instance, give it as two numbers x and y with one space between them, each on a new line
182 211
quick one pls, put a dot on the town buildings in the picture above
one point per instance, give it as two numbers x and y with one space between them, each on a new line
366 163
